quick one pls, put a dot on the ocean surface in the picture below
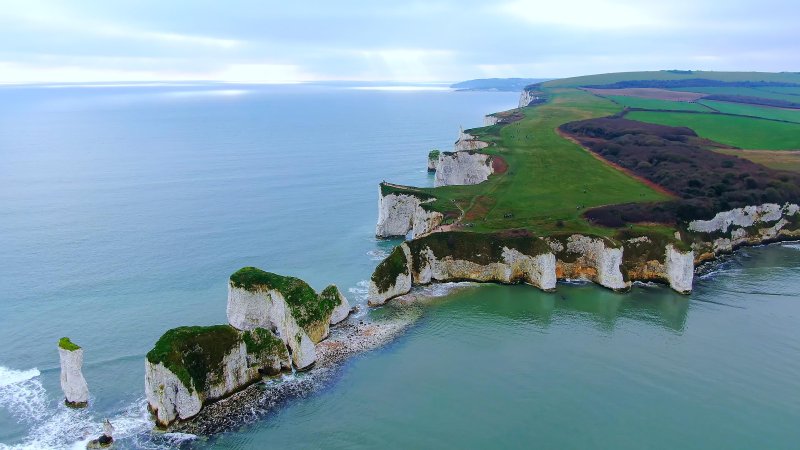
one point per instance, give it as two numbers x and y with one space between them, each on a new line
124 209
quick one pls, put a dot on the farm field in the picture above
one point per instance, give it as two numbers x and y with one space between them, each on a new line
743 91
774 159
741 109
651 103
742 132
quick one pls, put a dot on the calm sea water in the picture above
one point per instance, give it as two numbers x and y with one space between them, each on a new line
124 209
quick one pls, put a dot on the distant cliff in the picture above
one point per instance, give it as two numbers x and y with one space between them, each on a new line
496 84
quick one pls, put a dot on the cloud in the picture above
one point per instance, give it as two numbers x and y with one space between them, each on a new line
588 14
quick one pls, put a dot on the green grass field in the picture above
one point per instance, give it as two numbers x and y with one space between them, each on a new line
652 103
742 109
780 160
741 132
747 92
552 181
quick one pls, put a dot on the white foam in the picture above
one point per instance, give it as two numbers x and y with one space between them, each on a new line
11 376
22 394
377 254
795 246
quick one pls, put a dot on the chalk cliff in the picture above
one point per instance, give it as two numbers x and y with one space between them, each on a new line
467 141
191 366
490 120
286 305
751 225
463 167
528 96
76 391
518 257
401 212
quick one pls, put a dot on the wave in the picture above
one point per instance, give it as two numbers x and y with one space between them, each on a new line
377 254
53 425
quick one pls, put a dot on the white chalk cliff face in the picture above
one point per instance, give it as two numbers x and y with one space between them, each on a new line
461 168
399 214
490 120
750 225
467 141
341 311
171 399
536 270
594 260
576 257
680 269
76 391
267 308
527 97
401 284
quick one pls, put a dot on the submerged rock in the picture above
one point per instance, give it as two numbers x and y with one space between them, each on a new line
191 366
76 391
106 439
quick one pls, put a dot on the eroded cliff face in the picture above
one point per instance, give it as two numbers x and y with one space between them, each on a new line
191 366
467 141
490 120
528 96
399 214
590 258
73 384
751 225
461 168
521 258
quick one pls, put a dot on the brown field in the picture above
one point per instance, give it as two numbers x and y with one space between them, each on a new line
654 93
774 159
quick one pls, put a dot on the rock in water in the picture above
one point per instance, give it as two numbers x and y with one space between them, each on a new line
191 366
289 306
106 439
76 391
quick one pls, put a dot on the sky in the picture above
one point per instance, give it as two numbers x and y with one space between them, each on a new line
377 40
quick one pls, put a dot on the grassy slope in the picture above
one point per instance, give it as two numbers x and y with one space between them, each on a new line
551 181
742 132
741 109
548 178
652 103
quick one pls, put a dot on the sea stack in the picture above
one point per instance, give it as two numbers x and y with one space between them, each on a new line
76 391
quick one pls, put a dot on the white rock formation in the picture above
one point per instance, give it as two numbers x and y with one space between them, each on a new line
467 141
267 308
464 167
341 311
536 270
171 400
743 217
399 214
605 261
168 398
490 120
432 164
76 391
527 97
680 269
401 285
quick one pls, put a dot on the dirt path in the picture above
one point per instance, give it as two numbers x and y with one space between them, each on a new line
617 167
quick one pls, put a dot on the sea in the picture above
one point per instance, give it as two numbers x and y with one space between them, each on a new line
125 208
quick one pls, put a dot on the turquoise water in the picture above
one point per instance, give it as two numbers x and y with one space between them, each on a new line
124 210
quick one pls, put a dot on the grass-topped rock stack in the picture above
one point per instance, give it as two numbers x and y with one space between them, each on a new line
288 305
76 391
433 160
190 366
275 322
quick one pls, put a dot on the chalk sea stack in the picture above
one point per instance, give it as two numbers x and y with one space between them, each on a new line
275 322
76 391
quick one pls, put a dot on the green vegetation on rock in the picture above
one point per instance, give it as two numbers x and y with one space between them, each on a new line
192 353
66 344
307 307
387 271
434 154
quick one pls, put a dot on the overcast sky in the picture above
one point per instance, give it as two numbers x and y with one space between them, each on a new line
450 40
